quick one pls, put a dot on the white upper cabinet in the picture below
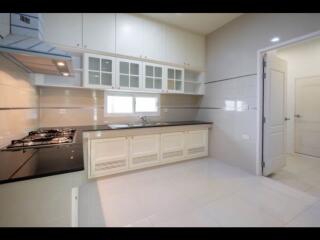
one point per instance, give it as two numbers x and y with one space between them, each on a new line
175 47
129 74
175 80
195 53
99 32
153 40
98 71
154 77
139 37
185 48
63 28
129 31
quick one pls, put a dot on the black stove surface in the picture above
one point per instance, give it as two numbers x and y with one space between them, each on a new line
43 137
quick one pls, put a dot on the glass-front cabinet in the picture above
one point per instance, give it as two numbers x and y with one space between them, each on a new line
98 71
175 78
129 74
153 77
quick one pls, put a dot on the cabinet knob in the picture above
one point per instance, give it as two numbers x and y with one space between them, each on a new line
78 44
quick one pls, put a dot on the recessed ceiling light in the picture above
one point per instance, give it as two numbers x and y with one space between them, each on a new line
61 64
65 74
275 39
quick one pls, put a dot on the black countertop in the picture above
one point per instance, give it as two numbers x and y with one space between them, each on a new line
18 165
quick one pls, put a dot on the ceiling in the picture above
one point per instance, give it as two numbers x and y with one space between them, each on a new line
203 23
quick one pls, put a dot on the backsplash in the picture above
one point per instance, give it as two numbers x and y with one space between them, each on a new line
18 102
74 107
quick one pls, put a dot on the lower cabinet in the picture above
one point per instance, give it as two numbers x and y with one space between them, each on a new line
108 156
144 150
119 154
196 144
172 146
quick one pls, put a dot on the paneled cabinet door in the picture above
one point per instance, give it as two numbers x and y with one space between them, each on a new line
153 77
63 28
129 74
98 71
196 143
172 146
99 31
108 156
175 80
144 150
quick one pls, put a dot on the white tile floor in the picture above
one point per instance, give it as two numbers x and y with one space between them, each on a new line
301 172
196 193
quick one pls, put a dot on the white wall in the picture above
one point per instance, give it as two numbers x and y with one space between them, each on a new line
303 61
232 53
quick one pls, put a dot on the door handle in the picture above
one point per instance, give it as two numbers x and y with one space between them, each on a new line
297 115
286 119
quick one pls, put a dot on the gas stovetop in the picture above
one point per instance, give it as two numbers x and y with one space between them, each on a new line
44 137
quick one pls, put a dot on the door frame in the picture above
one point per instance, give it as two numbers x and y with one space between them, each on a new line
260 90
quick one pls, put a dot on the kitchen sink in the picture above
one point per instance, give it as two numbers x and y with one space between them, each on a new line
128 125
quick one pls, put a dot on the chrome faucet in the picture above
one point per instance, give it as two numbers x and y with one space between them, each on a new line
143 119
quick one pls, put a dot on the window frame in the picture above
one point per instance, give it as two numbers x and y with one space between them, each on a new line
134 96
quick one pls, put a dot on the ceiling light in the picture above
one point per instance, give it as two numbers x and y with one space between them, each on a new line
275 39
61 64
65 74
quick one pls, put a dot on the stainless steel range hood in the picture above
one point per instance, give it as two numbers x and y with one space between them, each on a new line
24 45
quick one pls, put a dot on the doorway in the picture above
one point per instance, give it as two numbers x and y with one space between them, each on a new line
291 115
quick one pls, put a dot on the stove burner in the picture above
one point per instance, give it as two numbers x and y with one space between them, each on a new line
44 137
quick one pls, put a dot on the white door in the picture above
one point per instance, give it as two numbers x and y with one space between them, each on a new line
129 74
144 150
129 35
274 113
196 143
175 80
108 156
153 77
98 71
172 146
99 31
307 116
176 45
63 28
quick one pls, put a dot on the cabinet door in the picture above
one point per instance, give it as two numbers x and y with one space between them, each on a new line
98 71
172 146
175 80
176 45
144 150
153 77
63 28
195 55
99 31
108 156
153 39
129 31
129 74
196 143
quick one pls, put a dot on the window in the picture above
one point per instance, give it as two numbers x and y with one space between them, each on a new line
131 104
